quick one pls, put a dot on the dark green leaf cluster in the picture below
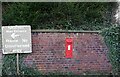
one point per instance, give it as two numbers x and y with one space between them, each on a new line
60 15
112 39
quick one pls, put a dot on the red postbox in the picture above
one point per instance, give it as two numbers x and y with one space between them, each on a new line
69 47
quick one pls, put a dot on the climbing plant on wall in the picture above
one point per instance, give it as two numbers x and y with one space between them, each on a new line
112 39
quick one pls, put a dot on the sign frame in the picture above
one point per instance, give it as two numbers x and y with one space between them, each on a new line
17 38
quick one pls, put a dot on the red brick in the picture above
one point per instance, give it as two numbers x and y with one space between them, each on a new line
89 53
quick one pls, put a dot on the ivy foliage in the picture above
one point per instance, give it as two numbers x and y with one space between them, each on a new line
112 39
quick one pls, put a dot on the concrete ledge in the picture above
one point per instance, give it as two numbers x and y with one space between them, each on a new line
65 31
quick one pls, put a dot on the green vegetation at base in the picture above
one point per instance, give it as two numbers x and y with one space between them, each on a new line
10 66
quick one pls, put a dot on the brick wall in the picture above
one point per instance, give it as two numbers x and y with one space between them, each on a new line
89 53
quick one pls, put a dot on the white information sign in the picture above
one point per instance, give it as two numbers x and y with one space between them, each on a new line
16 39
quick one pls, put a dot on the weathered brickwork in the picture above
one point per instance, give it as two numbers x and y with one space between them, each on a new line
89 53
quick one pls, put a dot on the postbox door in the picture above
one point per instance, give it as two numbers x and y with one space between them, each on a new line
69 47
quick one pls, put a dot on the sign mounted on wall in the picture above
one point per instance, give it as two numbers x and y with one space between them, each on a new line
69 47
16 39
